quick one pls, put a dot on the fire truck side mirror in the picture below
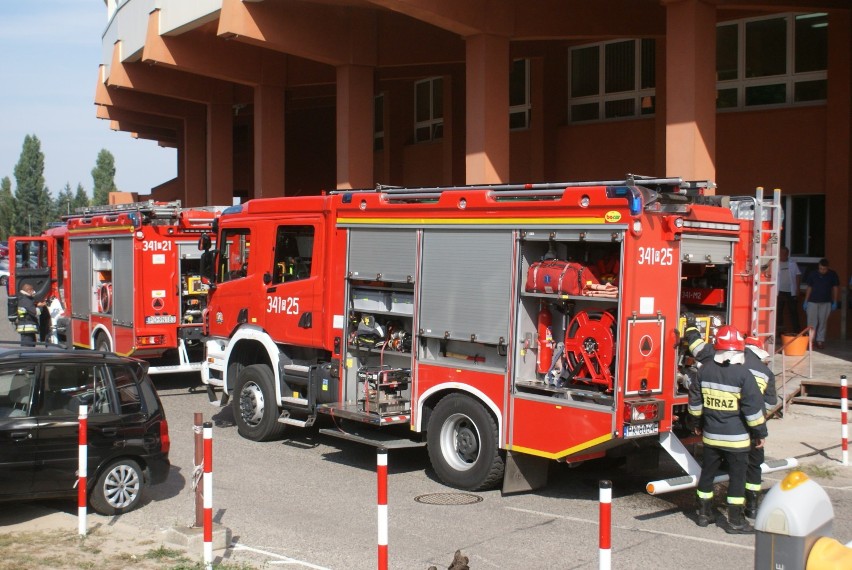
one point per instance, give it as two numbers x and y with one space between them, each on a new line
204 242
267 278
206 265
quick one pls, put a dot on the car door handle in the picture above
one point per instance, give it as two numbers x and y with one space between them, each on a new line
110 431
19 435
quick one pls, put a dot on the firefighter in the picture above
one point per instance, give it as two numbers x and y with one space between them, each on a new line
755 358
28 315
727 408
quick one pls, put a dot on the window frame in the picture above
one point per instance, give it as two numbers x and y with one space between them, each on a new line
789 79
434 125
638 95
524 108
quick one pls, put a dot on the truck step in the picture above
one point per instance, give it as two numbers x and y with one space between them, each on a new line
297 401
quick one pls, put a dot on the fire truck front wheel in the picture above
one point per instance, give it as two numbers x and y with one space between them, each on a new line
462 442
254 407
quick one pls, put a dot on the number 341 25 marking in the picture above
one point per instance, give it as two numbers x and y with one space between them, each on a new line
285 305
654 256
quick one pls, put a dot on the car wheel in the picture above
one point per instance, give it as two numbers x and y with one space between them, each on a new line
462 443
119 488
255 410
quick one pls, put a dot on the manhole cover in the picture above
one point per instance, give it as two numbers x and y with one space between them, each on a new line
448 499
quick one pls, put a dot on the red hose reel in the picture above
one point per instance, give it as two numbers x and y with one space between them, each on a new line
589 348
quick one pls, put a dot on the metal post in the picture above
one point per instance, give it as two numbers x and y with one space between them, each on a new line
199 459
382 477
82 475
208 494
844 412
605 548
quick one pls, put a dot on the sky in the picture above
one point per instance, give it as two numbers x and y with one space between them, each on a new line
50 51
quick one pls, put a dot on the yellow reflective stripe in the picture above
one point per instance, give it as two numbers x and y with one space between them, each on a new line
755 419
694 345
704 495
743 444
720 400
736 500
753 487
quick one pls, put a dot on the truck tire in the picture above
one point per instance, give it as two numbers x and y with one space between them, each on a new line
119 488
102 343
462 442
255 410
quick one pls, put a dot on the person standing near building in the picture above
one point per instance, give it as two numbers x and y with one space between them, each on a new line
755 361
727 407
821 296
789 281
28 313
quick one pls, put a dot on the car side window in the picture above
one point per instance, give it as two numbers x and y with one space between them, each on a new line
127 390
16 390
68 386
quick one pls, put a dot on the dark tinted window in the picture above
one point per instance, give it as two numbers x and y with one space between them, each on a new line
16 389
68 386
129 400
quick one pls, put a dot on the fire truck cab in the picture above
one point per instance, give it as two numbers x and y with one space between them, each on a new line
125 278
501 326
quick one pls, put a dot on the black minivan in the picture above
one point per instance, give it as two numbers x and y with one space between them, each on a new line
41 391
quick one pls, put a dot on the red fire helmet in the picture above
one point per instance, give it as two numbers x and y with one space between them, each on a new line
729 338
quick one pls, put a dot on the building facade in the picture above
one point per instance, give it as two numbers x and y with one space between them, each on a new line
288 97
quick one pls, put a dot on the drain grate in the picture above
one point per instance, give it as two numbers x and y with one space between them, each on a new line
448 499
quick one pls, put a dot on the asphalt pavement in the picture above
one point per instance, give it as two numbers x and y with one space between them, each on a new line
305 504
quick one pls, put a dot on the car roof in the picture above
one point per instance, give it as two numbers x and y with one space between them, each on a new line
55 353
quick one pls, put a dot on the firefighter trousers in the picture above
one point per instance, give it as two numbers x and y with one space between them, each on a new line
737 464
754 475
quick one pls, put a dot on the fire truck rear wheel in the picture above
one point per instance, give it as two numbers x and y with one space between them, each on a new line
102 343
462 443
254 406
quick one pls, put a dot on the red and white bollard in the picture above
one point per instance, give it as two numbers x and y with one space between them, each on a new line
82 475
605 525
382 477
844 412
207 482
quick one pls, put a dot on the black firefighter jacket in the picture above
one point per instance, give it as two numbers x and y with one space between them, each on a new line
726 400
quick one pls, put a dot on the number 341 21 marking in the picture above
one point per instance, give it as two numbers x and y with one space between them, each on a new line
285 305
654 256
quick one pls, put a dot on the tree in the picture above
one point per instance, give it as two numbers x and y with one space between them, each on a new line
7 208
81 199
103 175
32 198
64 202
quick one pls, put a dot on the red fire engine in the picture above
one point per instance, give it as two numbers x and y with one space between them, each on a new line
502 326
126 278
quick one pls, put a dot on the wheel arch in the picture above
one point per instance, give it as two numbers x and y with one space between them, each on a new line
98 330
429 399
250 345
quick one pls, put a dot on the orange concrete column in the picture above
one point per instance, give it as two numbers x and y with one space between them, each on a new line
220 154
195 157
268 141
838 150
487 109
355 126
691 89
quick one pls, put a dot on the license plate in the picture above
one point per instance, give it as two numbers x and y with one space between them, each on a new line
641 430
161 320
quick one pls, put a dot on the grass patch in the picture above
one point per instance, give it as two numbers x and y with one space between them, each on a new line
163 553
821 471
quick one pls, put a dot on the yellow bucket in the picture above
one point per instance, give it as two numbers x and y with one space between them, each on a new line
794 346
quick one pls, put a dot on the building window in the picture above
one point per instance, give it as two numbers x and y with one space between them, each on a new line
379 122
519 95
777 60
612 80
429 109
804 229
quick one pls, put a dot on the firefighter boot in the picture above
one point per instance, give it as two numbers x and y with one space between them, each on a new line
737 523
752 501
705 512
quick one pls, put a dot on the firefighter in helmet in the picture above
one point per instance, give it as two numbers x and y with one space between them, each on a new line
726 407
755 359
28 314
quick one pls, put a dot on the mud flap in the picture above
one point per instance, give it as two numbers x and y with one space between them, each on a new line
524 473
211 395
